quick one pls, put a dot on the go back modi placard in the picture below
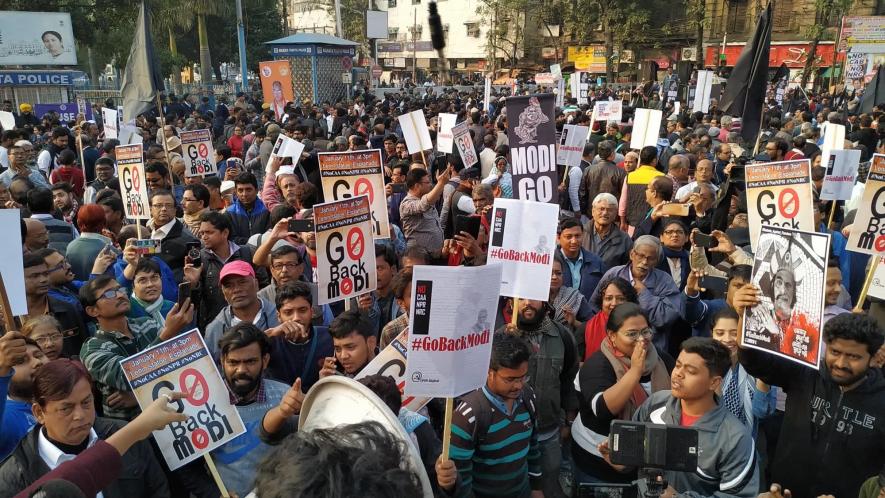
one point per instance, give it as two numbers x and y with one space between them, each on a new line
184 364
779 195
531 130
349 174
133 186
868 231
199 155
345 251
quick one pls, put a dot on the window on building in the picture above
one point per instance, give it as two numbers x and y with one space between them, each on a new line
737 17
783 15
472 29
392 33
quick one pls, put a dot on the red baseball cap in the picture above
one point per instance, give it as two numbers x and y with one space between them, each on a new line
240 268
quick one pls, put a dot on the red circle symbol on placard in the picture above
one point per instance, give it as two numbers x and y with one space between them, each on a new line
136 180
200 438
364 187
194 385
356 243
202 150
346 286
788 203
880 243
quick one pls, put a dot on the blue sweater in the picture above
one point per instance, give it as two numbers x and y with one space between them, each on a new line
17 419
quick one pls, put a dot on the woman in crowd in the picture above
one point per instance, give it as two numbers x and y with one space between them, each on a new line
567 302
46 332
613 383
615 291
84 250
500 178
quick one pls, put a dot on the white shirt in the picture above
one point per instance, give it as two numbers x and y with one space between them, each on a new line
675 269
685 191
486 162
45 161
163 231
4 157
53 457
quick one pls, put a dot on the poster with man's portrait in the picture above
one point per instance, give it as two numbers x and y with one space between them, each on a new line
789 269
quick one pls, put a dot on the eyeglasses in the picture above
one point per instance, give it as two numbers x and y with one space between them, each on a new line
286 266
112 293
161 207
674 232
634 335
47 340
515 380
64 264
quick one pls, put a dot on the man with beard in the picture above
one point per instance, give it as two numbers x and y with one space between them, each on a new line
104 178
267 408
659 296
19 358
832 433
551 376
65 202
47 160
117 337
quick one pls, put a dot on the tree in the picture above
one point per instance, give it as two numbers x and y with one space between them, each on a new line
824 10
619 21
168 18
505 36
203 10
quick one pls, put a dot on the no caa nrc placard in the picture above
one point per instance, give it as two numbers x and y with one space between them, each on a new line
779 194
349 174
345 250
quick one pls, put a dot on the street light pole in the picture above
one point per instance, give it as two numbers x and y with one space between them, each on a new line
241 41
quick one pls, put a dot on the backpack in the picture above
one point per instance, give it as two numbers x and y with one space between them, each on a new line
483 413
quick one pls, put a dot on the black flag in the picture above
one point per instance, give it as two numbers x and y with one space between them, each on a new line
142 79
745 92
782 72
874 93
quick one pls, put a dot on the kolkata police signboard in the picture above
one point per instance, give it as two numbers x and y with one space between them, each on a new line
184 364
133 186
345 251
198 153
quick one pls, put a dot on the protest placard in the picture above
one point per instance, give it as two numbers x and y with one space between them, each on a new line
133 187
452 319
486 94
345 252
868 230
834 138
556 70
391 362
571 145
184 364
287 147
523 239
444 135
779 194
877 285
560 93
7 120
646 128
415 131
841 175
81 106
110 119
545 78
198 153
461 137
790 269
608 110
350 174
703 87
11 266
531 130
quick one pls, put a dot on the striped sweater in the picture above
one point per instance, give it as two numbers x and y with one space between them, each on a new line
505 462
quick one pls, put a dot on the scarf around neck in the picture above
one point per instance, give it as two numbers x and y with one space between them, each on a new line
152 310
660 379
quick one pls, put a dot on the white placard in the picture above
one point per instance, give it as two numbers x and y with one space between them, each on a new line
415 131
523 239
352 173
133 187
11 266
779 194
877 286
451 327
866 232
184 364
646 128
444 133
7 120
608 110
487 93
127 135
834 138
198 153
345 251
556 70
841 175
571 145
109 116
391 362
703 88
287 147
461 137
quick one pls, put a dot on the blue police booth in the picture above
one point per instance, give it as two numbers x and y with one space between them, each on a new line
318 62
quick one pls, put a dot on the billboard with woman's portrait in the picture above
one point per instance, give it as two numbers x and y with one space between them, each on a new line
276 84
36 38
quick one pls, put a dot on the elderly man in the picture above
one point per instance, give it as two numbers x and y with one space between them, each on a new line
677 170
602 235
18 166
702 174
659 297
603 176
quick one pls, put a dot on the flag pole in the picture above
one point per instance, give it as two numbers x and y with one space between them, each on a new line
165 145
874 263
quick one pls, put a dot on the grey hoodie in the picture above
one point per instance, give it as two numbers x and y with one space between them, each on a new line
266 318
727 465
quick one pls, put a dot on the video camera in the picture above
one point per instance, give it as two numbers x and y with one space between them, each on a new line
652 448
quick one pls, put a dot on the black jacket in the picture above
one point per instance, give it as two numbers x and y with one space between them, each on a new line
73 328
831 441
173 249
142 475
209 299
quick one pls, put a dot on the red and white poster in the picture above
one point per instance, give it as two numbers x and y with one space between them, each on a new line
779 195
345 249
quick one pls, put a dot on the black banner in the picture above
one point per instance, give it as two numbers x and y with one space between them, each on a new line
531 129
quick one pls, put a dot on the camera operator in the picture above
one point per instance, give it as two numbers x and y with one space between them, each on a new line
727 465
